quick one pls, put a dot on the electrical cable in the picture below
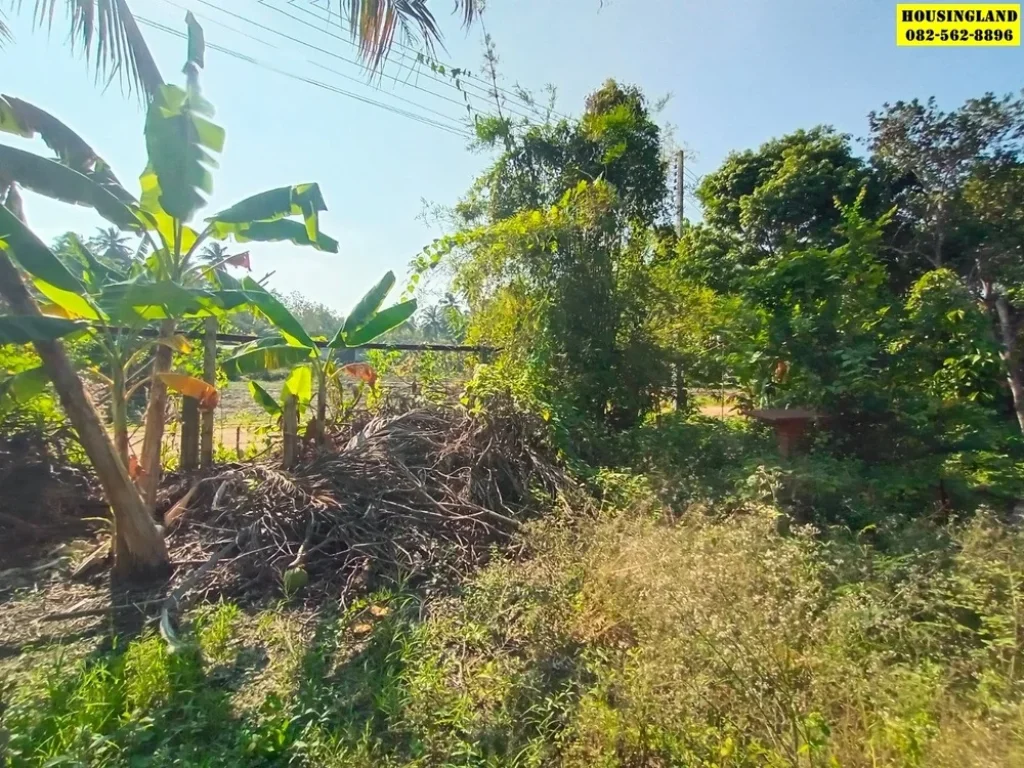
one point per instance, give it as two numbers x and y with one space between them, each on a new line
324 51
413 55
453 128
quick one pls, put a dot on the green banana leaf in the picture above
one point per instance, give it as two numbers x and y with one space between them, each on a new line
154 301
276 313
179 141
26 329
369 304
27 120
301 199
381 323
264 399
21 387
275 231
52 179
263 359
32 254
300 384
74 304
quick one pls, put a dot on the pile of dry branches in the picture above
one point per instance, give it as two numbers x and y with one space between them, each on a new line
416 496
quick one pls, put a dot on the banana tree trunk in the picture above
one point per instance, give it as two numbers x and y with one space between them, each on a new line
119 414
156 412
210 377
321 409
1011 354
139 551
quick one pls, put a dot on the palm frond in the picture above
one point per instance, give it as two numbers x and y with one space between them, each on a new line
374 23
5 31
107 32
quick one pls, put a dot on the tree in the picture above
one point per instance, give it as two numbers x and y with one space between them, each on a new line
107 32
112 244
554 252
760 203
214 253
140 551
963 206
169 285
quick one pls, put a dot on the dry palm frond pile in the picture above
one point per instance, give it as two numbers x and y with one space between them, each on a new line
415 496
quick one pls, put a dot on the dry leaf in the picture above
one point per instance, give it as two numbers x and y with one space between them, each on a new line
362 629
379 611
190 386
362 371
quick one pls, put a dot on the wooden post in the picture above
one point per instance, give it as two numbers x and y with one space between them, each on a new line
290 429
210 377
189 433
238 442
680 190
680 388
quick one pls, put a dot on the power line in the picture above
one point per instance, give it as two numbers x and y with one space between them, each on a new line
321 50
408 53
413 62
327 52
454 128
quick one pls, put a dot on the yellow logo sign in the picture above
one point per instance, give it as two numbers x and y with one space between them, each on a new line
957 24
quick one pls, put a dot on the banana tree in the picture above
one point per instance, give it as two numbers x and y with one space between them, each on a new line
139 549
294 348
172 282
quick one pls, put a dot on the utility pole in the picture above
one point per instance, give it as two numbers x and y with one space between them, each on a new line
681 400
680 166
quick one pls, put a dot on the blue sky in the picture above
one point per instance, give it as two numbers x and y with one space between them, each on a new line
739 73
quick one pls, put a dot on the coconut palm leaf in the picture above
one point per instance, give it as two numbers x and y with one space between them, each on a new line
374 23
107 32
115 48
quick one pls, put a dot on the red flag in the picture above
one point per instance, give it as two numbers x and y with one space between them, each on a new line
240 260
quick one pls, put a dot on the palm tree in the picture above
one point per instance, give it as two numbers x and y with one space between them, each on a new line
110 36
433 323
112 245
214 253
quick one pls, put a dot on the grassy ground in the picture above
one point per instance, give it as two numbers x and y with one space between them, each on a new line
626 636
635 643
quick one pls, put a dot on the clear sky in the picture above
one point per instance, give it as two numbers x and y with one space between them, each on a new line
739 73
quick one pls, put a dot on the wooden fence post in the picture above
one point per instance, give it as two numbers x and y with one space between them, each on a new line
210 377
189 433
290 429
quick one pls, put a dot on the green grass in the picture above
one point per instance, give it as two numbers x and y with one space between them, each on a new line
714 642
729 636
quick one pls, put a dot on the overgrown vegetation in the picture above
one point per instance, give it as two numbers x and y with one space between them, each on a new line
563 564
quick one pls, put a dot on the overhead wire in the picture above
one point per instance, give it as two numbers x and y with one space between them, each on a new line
410 54
358 81
327 52
413 64
454 128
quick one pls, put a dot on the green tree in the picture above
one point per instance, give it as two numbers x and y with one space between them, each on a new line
295 347
553 252
761 203
113 245
963 205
